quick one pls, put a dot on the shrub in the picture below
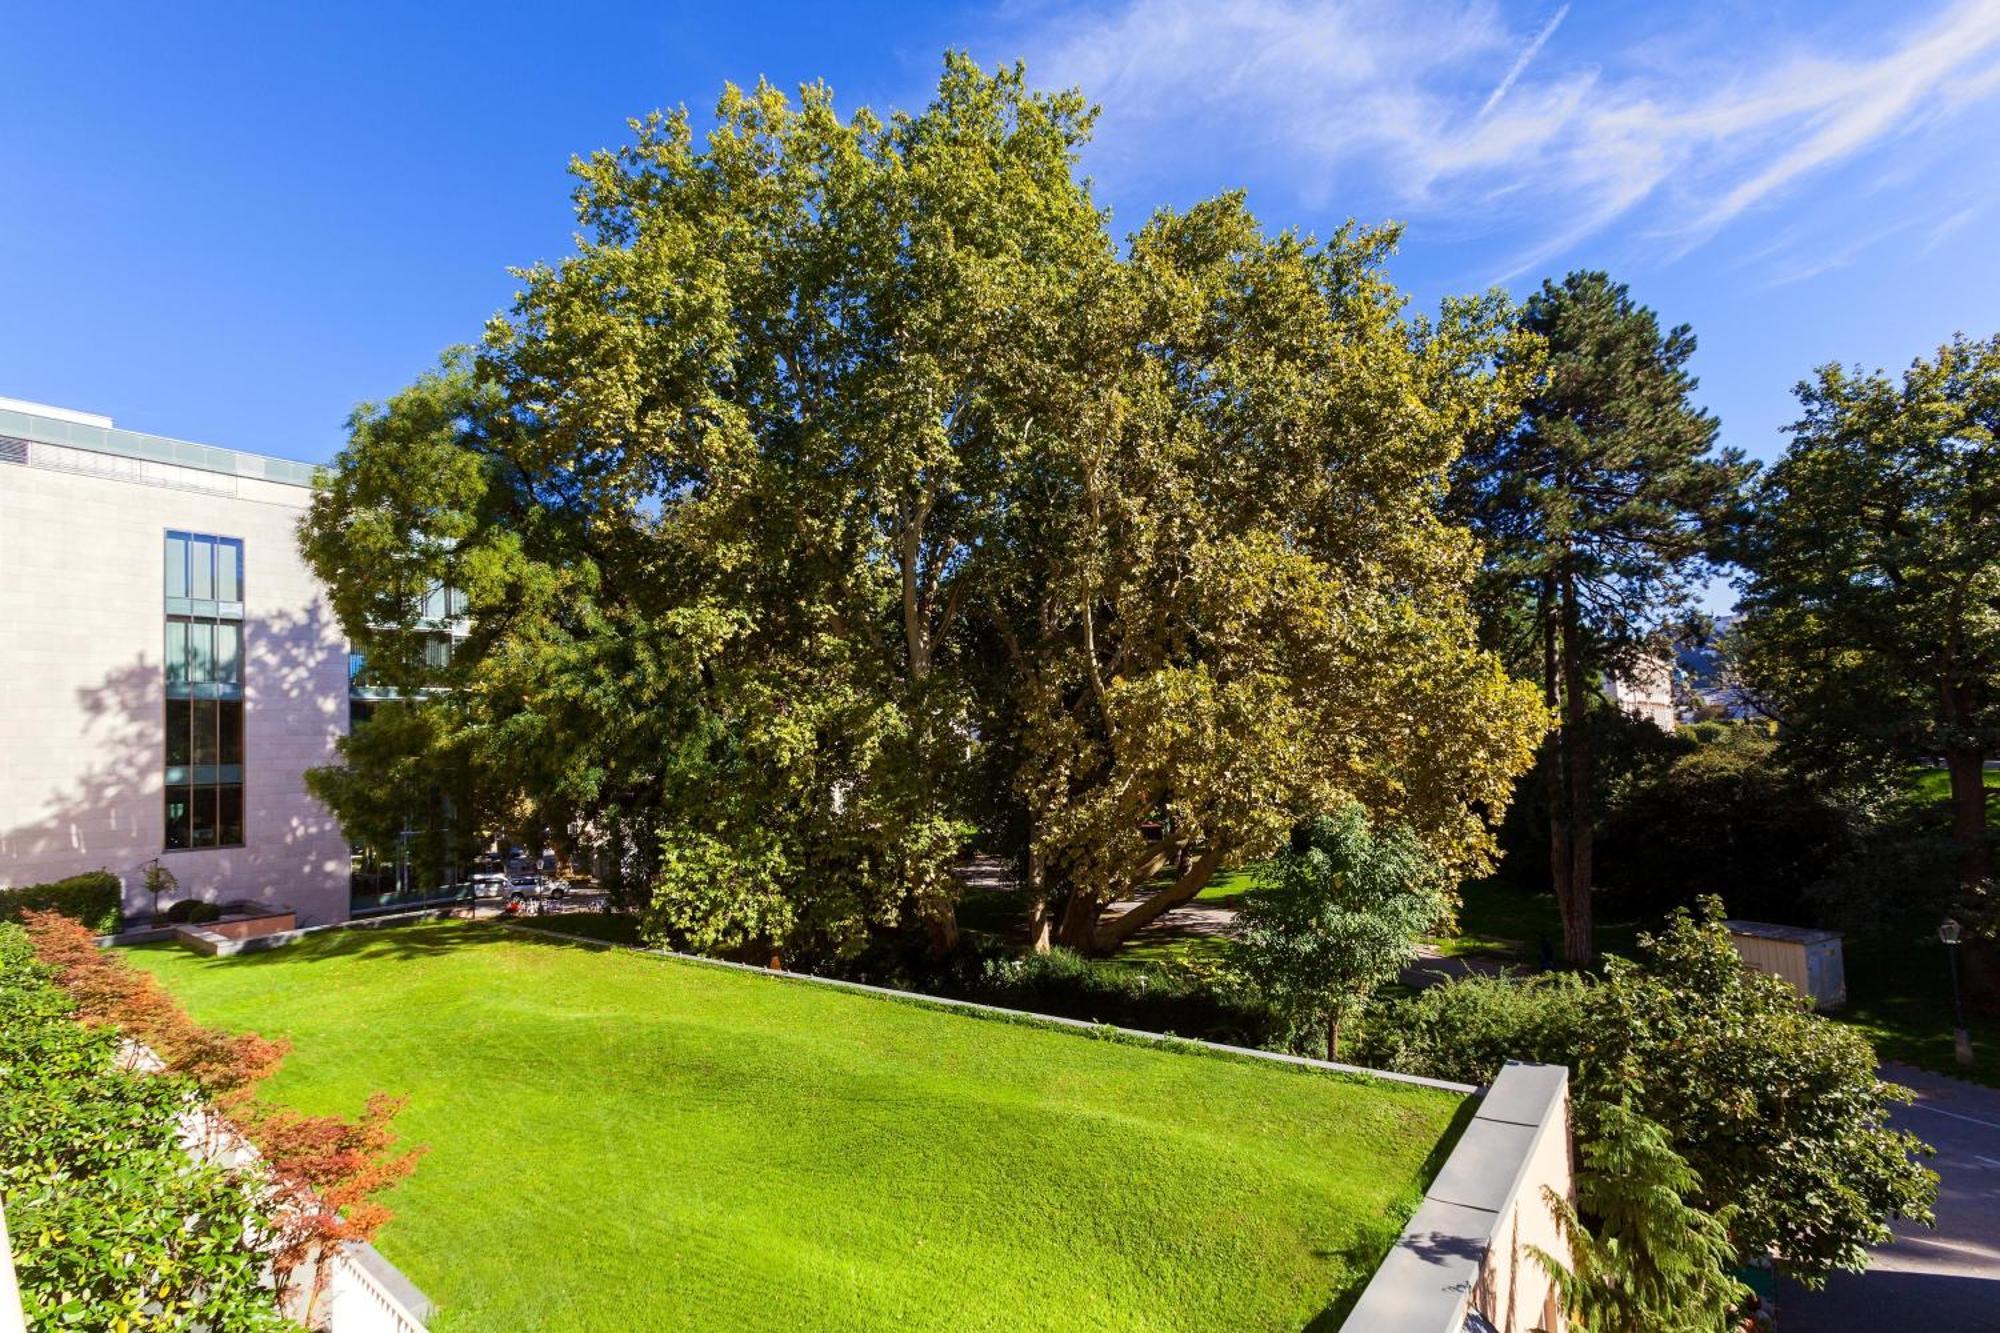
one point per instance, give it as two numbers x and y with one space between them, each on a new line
323 1172
94 898
1179 1000
1465 1030
113 1225
1775 1109
193 911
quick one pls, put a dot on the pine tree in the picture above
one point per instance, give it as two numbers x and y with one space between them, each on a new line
1599 507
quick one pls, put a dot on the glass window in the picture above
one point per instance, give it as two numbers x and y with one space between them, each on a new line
201 651
179 734
203 823
228 571
204 688
205 737
229 815
228 652
177 652
177 565
229 731
201 568
180 808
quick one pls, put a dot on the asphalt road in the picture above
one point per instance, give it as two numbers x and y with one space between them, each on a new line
1942 1281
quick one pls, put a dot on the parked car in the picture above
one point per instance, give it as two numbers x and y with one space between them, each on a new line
489 884
527 886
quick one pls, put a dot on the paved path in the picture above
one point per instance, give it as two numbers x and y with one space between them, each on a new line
1943 1281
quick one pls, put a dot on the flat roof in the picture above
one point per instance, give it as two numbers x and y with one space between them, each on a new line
1767 930
79 430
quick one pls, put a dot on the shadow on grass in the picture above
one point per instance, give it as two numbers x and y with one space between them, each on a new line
365 939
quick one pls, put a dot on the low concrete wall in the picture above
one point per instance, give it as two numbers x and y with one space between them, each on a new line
243 927
204 940
973 1006
1466 1249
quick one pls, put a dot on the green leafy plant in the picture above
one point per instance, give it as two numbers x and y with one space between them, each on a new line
114 1227
193 911
1640 1258
1336 917
94 898
318 1177
1775 1109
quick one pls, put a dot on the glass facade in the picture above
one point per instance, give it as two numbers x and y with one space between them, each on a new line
204 688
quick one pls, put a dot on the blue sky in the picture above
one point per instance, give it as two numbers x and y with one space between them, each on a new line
231 224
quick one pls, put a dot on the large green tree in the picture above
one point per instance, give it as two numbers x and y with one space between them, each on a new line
1598 506
1232 600
849 485
1871 609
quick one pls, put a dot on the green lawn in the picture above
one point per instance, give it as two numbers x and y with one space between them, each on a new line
623 1141
1496 917
1899 994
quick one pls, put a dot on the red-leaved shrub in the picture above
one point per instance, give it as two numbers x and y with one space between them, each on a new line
325 1172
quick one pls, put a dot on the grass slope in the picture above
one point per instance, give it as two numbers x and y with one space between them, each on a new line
620 1141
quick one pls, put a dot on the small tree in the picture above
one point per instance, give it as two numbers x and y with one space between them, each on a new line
1340 918
159 880
1641 1259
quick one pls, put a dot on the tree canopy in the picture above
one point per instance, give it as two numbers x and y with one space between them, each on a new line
1598 504
850 490
1871 620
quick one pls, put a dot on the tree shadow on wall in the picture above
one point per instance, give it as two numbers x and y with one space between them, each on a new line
109 813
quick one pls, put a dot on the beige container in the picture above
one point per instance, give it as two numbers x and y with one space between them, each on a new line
1810 959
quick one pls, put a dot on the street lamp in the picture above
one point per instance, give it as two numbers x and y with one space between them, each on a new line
1949 932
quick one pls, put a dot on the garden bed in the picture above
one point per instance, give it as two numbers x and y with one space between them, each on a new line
619 1140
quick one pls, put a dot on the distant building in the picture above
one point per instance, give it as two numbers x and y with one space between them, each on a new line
1647 691
173 668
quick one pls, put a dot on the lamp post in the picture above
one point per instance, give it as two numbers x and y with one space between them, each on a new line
1949 932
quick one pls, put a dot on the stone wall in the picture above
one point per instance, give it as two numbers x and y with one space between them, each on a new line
1466 1250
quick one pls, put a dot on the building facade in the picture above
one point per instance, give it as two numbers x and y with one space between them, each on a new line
175 668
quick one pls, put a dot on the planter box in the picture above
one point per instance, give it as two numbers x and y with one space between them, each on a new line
243 927
241 934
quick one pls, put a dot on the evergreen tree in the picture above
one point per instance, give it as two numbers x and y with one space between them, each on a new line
1599 507
1641 1258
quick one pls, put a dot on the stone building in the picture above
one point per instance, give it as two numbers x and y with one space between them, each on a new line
174 668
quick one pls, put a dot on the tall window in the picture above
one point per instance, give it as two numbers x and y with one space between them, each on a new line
204 657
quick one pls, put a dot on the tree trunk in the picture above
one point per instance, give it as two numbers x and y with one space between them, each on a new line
941 924
1333 1033
1113 933
1576 908
1555 782
1038 903
1967 767
1078 928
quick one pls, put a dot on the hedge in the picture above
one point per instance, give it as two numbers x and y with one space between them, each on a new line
95 898
114 1225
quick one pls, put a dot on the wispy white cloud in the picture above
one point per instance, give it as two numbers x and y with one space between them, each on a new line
1522 61
1382 103
1948 225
